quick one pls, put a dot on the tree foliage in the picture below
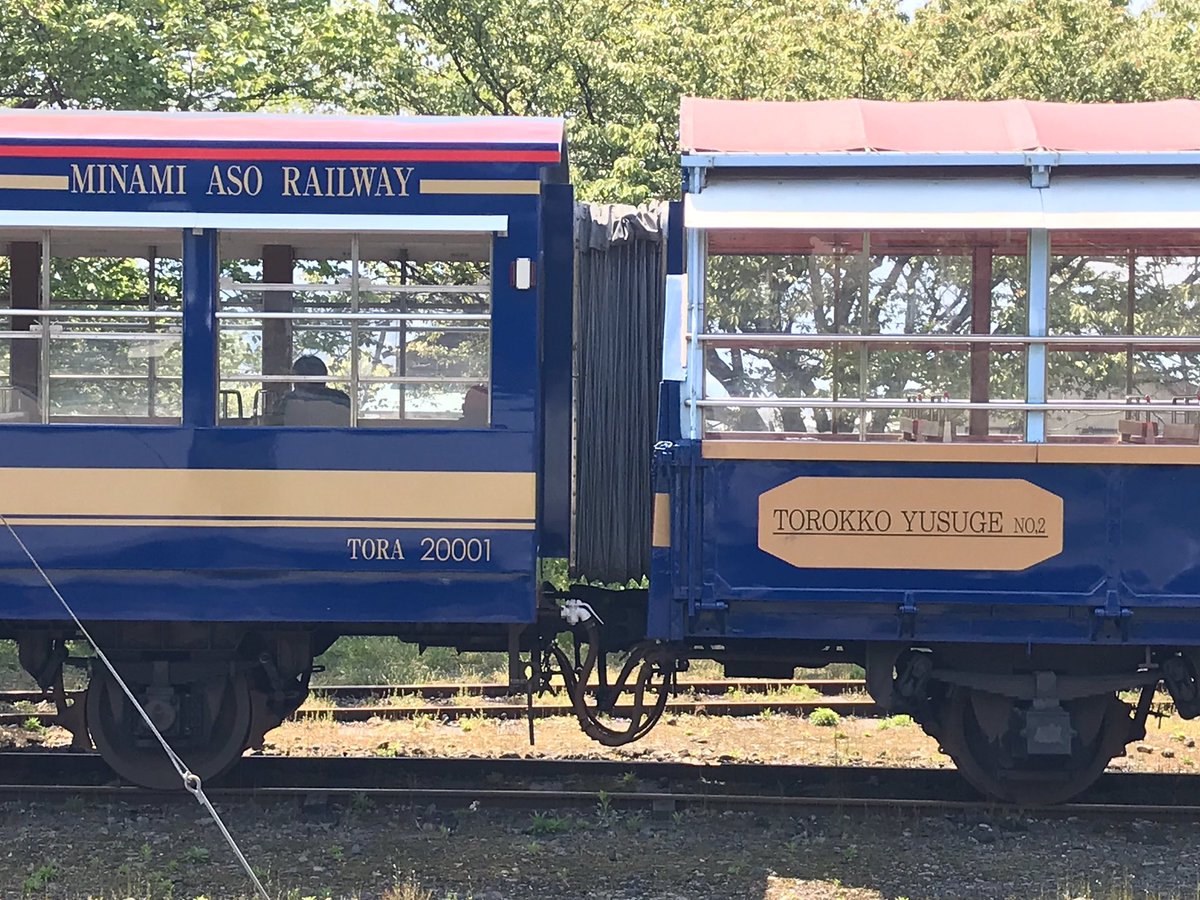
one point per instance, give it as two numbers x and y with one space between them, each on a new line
616 69
175 54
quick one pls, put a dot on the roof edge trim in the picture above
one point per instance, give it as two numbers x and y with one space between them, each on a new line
282 222
897 159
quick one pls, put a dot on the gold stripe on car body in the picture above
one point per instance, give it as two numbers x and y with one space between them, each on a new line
899 451
275 494
480 186
662 521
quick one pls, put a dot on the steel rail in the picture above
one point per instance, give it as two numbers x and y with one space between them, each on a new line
609 784
451 712
736 709
720 686
826 686
657 802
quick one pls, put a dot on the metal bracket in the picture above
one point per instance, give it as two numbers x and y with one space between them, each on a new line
906 614
1040 164
695 179
709 618
1111 621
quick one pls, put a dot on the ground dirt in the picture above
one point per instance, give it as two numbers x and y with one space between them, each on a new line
102 848
396 852
1170 744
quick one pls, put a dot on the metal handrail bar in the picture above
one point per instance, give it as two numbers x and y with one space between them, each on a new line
93 313
804 340
315 379
86 376
417 379
318 304
431 309
246 311
374 288
339 287
359 317
935 404
331 287
172 336
345 379
339 329
448 329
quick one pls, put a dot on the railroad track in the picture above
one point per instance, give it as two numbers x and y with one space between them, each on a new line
660 787
350 703
353 703
828 687
864 708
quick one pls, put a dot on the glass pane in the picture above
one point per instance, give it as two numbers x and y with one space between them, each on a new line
914 284
397 344
1112 284
106 348
114 344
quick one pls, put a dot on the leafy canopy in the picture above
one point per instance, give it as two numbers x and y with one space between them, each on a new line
615 68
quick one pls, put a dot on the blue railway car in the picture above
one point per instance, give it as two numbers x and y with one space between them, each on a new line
930 405
268 380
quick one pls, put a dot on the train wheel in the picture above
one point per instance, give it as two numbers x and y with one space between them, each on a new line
206 721
983 734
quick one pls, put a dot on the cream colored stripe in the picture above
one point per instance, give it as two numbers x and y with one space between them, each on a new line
479 186
1121 454
898 451
278 523
34 182
217 493
1108 454
662 521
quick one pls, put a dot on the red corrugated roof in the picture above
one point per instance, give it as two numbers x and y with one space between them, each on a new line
821 126
188 127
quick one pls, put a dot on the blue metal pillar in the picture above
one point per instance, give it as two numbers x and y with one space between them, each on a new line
1039 299
200 258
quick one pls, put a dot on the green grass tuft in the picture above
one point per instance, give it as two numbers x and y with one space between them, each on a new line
824 717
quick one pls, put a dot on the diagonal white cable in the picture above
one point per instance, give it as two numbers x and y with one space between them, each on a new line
191 781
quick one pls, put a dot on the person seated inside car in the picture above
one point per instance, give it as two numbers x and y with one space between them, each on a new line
475 407
311 402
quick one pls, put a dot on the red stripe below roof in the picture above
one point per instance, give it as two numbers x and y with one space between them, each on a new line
176 128
822 126
285 154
